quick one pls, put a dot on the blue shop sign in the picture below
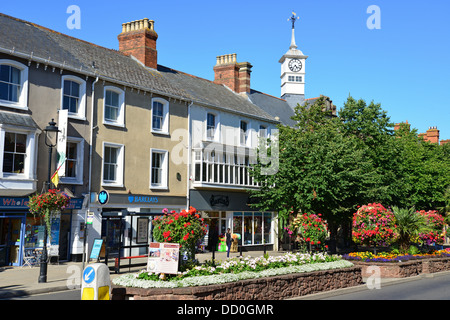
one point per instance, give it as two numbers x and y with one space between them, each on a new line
12 203
142 199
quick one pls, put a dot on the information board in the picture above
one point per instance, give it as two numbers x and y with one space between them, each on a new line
163 257
96 247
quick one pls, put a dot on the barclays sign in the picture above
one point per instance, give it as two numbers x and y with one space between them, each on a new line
142 199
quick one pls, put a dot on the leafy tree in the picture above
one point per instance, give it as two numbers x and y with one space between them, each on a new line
321 169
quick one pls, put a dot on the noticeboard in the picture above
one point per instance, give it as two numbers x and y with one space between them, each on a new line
163 257
96 247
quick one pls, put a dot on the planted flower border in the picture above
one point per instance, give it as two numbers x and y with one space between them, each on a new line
246 278
236 269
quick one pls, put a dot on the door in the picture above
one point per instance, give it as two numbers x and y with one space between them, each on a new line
112 232
10 241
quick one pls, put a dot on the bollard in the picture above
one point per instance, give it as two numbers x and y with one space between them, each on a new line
96 282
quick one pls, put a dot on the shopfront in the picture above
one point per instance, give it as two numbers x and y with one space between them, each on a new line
22 232
223 210
126 221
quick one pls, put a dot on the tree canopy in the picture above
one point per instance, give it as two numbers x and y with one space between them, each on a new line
330 164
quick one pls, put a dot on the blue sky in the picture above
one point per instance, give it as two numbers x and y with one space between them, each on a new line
404 65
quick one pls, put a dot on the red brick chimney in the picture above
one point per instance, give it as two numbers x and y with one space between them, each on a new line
138 38
234 75
432 135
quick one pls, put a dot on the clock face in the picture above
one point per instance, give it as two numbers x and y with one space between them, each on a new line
295 65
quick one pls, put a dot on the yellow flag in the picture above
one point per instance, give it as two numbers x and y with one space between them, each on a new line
55 178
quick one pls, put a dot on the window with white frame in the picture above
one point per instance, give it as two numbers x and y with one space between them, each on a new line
13 84
74 96
114 106
113 164
160 116
262 131
158 169
244 133
14 153
212 127
18 158
74 161
211 166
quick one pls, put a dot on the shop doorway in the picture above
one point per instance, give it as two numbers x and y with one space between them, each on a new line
10 241
112 233
217 226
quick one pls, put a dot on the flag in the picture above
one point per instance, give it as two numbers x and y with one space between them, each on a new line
55 176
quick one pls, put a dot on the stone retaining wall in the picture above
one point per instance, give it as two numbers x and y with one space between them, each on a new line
271 288
405 269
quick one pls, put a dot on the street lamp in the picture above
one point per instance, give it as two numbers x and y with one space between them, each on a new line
51 138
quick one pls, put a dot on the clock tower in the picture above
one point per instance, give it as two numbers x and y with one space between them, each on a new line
293 71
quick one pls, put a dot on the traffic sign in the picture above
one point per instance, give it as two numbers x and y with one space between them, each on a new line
89 275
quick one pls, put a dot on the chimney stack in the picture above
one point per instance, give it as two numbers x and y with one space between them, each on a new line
138 38
432 135
234 75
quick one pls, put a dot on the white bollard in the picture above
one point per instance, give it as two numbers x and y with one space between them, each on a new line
96 282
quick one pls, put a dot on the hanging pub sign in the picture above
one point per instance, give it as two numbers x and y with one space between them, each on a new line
163 257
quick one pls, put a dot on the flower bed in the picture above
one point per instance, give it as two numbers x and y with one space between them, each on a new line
392 265
239 272
367 256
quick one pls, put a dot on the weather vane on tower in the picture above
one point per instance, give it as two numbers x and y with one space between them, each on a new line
293 19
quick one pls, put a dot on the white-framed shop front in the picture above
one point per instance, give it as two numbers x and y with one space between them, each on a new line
125 222
222 210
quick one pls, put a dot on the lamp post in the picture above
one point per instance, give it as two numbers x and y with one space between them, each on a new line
51 138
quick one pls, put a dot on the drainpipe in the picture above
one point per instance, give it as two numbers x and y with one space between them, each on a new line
91 140
188 185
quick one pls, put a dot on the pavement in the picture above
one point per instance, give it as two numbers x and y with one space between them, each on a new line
23 281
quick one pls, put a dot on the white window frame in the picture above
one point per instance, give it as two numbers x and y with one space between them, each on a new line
248 134
22 104
121 112
165 121
81 108
165 169
216 136
120 165
26 180
78 179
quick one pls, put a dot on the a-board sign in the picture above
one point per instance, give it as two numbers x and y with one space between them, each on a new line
163 257
96 247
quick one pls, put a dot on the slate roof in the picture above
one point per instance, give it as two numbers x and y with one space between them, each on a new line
17 119
276 107
25 39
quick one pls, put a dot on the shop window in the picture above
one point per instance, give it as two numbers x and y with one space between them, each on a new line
254 227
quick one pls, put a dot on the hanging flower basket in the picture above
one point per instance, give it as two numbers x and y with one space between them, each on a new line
47 204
